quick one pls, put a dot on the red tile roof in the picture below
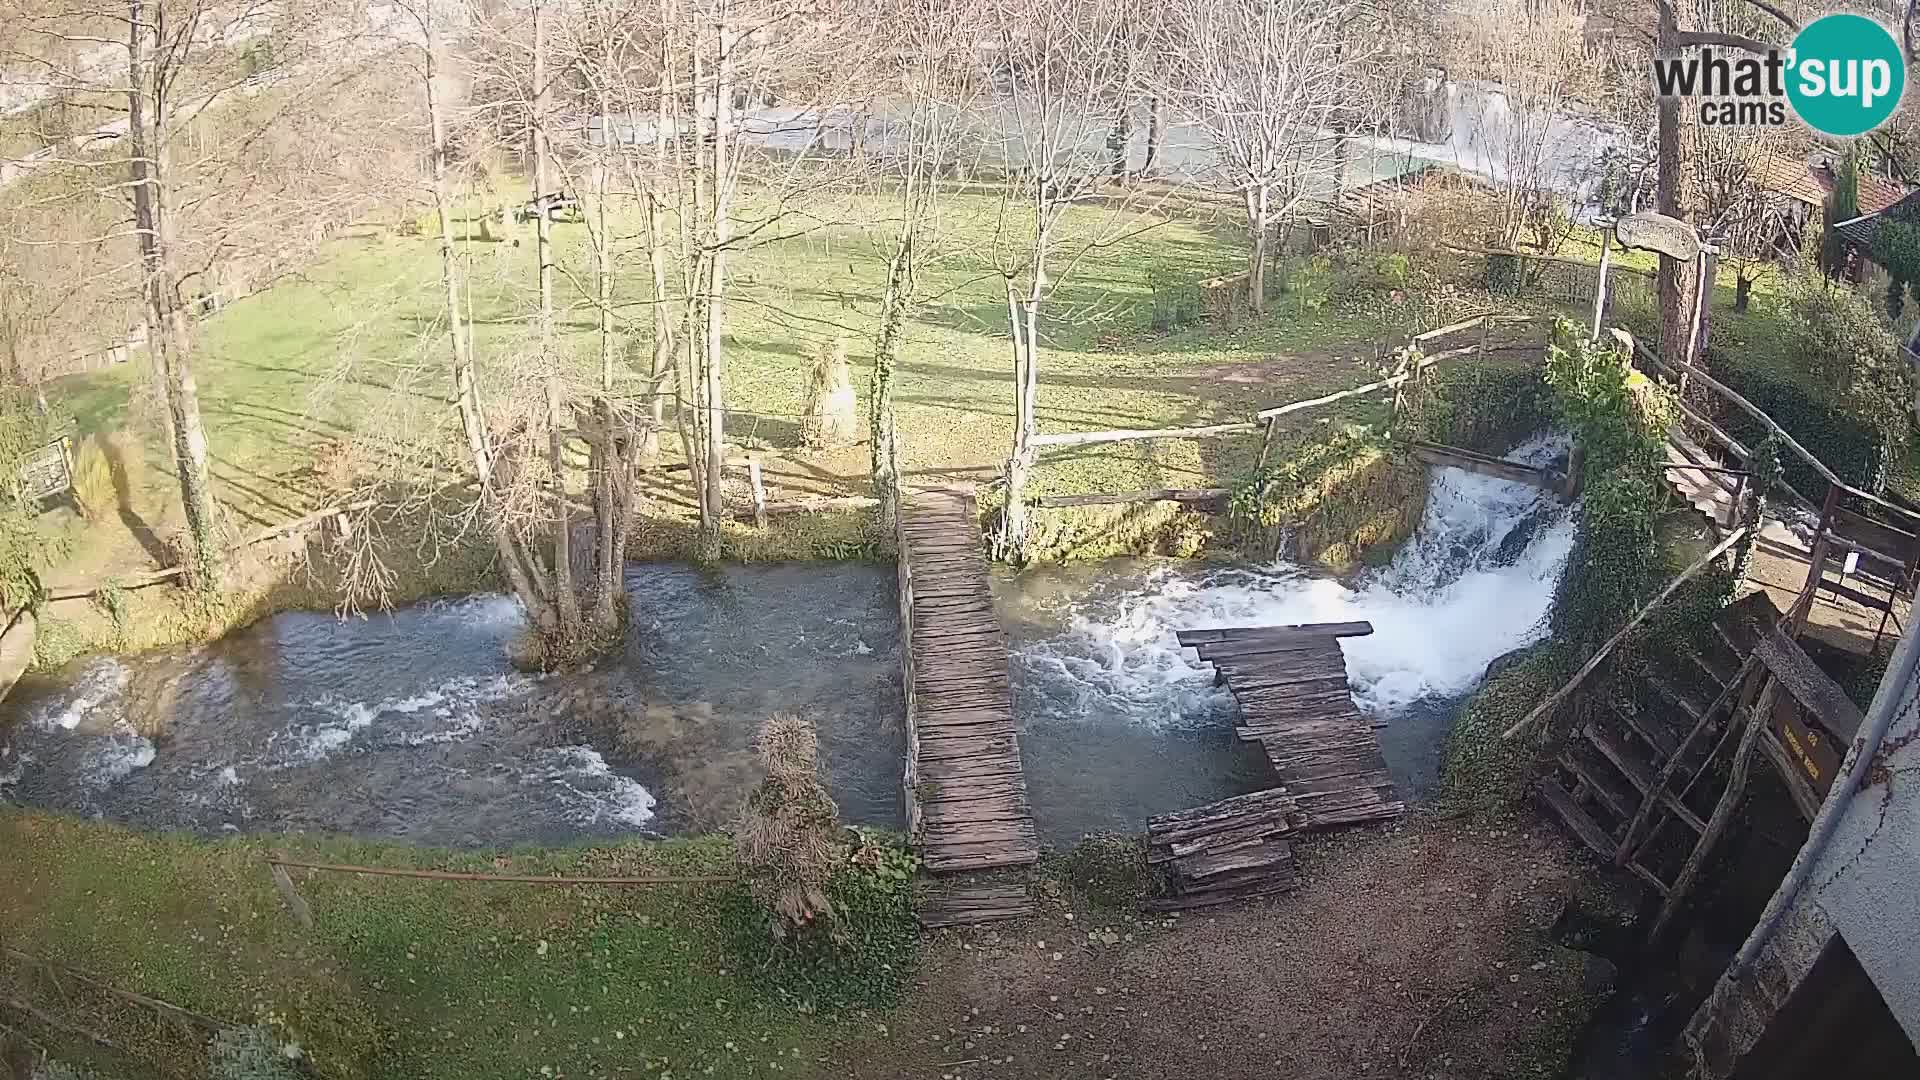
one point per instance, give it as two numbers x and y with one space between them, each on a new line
1809 183
1877 193
1795 179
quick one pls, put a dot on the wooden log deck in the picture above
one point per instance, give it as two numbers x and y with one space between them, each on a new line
1291 682
966 795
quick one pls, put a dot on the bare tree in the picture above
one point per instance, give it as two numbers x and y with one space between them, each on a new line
929 85
229 176
1271 82
1065 71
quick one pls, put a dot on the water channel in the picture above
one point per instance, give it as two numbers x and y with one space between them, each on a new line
414 726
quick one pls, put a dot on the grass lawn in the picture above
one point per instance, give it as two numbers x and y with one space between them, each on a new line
396 978
355 347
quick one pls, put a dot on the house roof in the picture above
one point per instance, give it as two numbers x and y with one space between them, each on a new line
1878 193
1811 181
1861 231
1792 177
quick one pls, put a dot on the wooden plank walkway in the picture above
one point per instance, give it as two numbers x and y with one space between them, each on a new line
966 794
1291 682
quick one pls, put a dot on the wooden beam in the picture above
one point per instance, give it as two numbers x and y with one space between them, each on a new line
1179 495
1454 457
1722 812
1638 616
1648 801
1212 635
1086 438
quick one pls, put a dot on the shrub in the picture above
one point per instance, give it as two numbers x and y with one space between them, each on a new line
1478 405
1110 870
1175 295
831 417
864 958
1307 280
93 478
788 831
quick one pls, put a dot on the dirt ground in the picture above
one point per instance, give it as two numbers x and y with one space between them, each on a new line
1418 951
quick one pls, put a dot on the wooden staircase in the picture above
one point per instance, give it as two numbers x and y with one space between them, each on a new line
1631 781
1700 481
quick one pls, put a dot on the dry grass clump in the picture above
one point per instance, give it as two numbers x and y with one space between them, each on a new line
832 416
788 837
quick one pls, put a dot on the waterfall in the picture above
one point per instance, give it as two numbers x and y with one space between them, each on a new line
1475 581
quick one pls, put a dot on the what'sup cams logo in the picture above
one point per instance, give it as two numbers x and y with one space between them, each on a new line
1844 75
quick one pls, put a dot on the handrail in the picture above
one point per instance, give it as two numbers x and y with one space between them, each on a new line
1689 371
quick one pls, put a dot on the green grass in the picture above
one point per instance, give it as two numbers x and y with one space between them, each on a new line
404 978
355 347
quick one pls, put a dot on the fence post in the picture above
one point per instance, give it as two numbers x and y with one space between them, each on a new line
1600 293
296 904
759 492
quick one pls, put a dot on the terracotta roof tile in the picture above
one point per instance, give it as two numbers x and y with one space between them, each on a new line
1876 194
1795 179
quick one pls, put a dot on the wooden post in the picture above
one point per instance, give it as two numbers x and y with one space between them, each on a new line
296 904
1600 293
1722 811
759 492
1816 564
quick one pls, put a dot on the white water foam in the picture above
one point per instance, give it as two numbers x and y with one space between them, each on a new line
445 713
1470 586
594 794
96 698
112 759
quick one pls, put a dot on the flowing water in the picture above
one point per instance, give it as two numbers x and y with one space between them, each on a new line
414 726
1120 723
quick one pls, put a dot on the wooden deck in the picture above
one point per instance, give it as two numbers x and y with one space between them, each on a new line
966 795
1291 683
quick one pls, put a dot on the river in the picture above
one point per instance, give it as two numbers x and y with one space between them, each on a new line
413 726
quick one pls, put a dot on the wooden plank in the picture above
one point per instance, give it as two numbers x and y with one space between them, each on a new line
1583 827
1242 633
1810 686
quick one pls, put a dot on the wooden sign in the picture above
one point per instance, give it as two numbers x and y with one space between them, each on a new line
45 472
1811 749
1658 232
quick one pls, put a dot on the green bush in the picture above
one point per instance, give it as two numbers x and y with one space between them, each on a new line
1847 445
1478 405
1366 273
862 958
1109 870
1505 274
1620 420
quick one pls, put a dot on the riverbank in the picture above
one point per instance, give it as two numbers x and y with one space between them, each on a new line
1417 950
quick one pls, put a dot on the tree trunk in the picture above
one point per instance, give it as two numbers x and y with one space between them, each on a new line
1674 166
168 342
466 396
882 431
1259 200
713 509
565 597
1742 293
1155 124
662 369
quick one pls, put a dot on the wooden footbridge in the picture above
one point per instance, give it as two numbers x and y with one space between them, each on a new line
966 795
1291 683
